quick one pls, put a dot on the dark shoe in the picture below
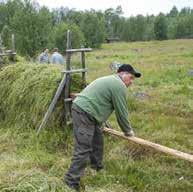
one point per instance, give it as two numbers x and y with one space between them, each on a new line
97 168
73 187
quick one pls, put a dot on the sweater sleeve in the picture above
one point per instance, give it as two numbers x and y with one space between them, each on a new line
120 107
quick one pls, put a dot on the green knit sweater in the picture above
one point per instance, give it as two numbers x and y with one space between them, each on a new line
102 96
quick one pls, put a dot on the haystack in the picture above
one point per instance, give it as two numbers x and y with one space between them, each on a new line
26 91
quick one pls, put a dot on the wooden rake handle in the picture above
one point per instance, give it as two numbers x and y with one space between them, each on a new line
155 146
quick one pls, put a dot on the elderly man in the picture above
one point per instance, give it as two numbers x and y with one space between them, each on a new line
90 109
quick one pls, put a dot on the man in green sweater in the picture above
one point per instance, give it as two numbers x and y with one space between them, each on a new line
90 109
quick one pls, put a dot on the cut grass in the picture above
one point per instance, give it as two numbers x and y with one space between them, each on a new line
163 116
27 90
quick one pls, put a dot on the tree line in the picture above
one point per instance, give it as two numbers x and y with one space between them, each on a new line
36 27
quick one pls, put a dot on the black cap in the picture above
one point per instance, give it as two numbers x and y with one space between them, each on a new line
128 68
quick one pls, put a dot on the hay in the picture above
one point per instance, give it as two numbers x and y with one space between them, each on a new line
26 91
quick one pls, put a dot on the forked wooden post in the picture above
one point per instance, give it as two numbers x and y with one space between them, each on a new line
155 146
67 87
64 86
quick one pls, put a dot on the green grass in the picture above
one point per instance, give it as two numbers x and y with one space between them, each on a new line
164 116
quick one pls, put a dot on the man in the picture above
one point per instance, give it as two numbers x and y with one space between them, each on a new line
90 109
57 58
44 57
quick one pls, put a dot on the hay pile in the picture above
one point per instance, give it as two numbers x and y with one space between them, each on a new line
26 91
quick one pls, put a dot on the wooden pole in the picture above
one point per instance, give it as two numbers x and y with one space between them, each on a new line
83 67
75 71
53 104
67 105
1 45
155 146
68 54
79 50
13 42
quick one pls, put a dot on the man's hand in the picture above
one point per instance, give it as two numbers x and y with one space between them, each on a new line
129 133
73 95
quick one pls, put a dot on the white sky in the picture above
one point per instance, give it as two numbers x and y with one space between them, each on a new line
130 7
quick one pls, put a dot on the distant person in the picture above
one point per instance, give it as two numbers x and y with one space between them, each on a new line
44 56
56 57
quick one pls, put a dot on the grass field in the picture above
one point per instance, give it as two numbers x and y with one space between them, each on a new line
161 110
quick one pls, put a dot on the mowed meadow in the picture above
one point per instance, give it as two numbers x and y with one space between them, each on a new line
160 110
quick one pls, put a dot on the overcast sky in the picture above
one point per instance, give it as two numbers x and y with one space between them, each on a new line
130 7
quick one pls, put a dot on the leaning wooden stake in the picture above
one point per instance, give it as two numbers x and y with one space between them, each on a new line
53 104
157 147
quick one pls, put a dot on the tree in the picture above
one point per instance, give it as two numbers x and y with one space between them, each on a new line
59 14
140 28
160 27
134 29
32 29
3 15
185 11
93 29
172 27
149 31
173 12
91 23
36 27
113 21
6 36
60 36
184 27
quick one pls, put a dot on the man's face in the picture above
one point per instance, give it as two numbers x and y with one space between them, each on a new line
46 50
128 78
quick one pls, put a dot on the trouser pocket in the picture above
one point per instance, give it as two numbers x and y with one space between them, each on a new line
84 135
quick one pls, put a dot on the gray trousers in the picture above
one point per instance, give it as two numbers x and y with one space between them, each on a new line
88 145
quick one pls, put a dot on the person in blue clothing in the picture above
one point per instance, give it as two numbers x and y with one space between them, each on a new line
44 56
56 57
